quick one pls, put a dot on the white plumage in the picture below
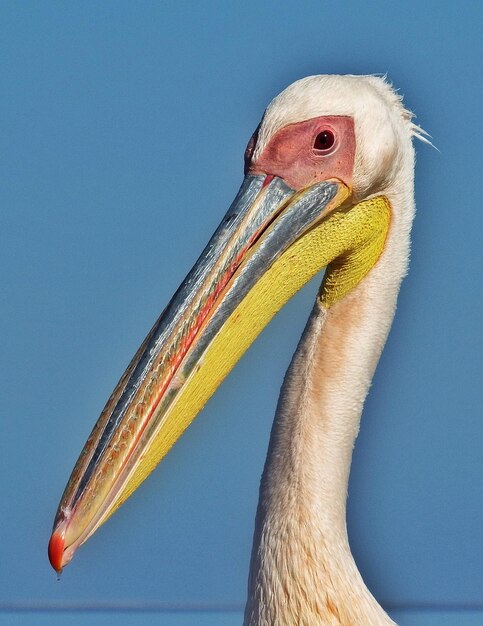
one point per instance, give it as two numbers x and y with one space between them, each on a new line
302 571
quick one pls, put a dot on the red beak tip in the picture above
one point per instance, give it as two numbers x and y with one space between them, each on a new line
56 551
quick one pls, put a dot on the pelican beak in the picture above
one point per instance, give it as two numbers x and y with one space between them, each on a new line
270 243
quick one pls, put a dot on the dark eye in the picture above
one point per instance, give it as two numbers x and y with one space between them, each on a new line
324 140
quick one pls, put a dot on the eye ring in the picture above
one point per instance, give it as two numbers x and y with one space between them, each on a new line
324 141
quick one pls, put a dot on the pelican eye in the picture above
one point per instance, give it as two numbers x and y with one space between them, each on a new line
324 141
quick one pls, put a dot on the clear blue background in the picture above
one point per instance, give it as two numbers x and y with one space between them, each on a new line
122 128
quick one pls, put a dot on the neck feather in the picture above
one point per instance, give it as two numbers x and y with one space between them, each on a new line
302 571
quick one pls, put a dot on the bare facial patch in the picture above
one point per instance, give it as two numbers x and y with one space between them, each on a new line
308 152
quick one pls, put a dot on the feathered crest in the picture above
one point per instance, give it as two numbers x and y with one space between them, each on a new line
416 130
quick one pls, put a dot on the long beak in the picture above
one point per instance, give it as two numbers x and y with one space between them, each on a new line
272 241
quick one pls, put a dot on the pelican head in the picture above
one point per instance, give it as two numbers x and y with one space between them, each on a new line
328 175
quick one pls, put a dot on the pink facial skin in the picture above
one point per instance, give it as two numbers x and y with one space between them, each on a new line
294 153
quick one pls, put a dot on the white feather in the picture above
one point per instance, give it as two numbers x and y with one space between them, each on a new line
302 571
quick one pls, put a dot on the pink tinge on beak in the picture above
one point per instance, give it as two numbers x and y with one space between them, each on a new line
268 180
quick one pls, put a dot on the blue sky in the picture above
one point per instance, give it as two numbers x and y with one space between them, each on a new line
123 128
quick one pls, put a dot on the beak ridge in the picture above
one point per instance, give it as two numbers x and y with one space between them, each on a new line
264 220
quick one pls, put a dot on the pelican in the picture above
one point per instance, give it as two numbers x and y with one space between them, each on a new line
328 183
